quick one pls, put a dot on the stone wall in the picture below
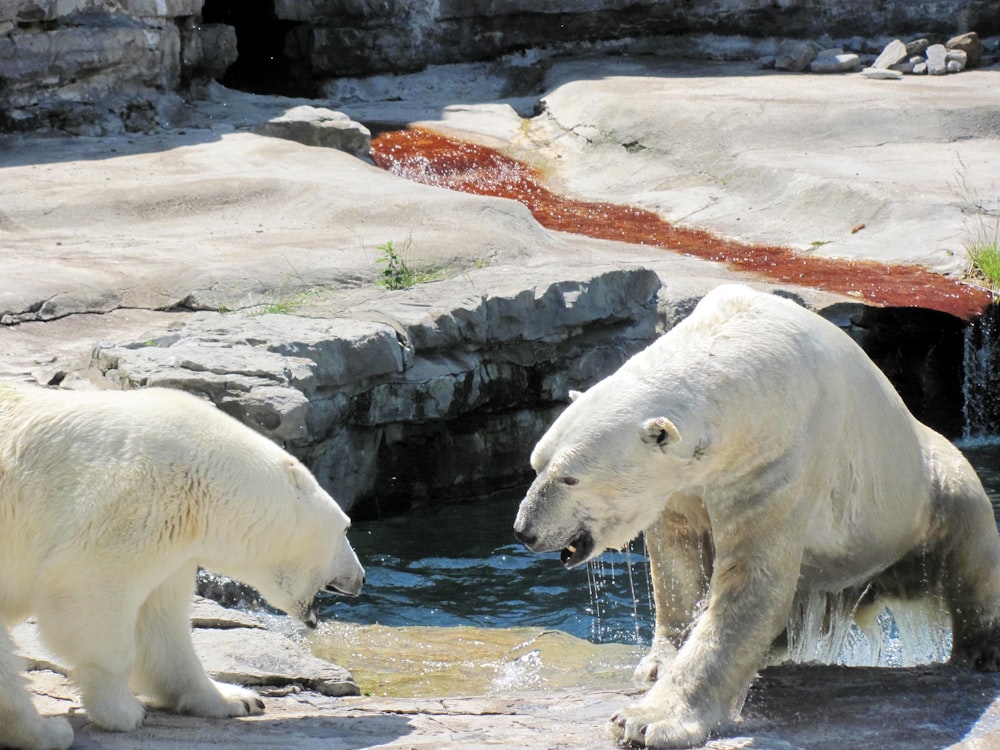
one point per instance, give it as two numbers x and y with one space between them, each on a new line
106 66
354 37
408 401
417 401
96 66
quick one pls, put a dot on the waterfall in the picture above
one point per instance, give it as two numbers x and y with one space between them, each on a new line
981 381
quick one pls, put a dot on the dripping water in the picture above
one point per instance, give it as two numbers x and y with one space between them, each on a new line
603 578
981 381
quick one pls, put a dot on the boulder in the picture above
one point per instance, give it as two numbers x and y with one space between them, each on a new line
970 44
894 52
937 60
318 126
834 61
794 55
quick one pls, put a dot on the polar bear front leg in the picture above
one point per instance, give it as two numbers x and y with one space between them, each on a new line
94 632
167 669
679 564
751 591
20 725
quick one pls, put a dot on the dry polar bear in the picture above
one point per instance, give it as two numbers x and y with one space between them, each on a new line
108 504
766 457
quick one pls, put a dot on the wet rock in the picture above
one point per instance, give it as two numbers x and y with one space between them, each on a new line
318 126
970 44
233 646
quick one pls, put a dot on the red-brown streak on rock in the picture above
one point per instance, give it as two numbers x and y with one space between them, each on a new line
435 159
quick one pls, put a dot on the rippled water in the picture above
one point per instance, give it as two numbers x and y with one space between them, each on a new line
453 605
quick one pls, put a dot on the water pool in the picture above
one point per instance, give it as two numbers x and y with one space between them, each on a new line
453 605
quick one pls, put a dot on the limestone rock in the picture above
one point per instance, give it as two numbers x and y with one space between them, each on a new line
956 60
894 52
917 47
883 74
317 126
262 658
794 55
834 61
350 395
970 44
207 50
937 62
233 646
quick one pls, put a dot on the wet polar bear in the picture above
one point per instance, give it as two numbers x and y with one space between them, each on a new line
109 502
765 456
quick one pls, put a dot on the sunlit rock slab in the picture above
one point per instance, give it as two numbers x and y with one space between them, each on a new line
798 708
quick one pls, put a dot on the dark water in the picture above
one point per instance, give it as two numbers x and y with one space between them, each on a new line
460 566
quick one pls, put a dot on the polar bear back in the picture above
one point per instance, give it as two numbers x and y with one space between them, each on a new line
766 393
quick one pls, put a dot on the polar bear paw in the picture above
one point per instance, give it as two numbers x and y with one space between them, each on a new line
657 727
654 664
220 700
119 715
240 701
52 733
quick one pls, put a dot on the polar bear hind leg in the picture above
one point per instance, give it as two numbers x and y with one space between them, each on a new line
968 549
960 562
20 725
167 671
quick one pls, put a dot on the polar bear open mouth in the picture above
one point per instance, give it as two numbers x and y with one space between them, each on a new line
579 549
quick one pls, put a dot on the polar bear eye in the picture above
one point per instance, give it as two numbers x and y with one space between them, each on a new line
570 481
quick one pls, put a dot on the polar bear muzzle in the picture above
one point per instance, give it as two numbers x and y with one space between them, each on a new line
579 550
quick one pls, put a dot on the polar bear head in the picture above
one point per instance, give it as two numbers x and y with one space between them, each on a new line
296 543
604 470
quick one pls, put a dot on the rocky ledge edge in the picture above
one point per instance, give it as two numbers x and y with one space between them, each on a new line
313 704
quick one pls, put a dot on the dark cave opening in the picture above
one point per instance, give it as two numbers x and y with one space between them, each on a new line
264 65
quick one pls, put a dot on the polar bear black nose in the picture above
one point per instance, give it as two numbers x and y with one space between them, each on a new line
525 537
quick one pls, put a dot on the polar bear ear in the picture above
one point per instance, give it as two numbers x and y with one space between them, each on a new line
574 395
660 432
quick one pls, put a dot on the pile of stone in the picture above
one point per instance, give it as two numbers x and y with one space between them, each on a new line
920 57
896 59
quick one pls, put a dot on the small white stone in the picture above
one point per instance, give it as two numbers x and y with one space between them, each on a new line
882 74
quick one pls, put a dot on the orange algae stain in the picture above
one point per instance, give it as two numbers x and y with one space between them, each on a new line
434 159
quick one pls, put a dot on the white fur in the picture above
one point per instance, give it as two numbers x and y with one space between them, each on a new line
109 502
765 456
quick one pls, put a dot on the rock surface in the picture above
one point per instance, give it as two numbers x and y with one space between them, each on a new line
243 265
788 707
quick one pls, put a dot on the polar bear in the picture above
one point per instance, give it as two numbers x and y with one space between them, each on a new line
766 457
109 501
